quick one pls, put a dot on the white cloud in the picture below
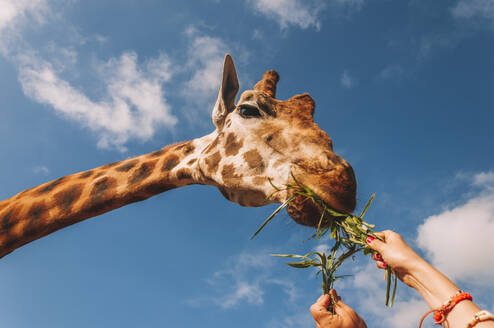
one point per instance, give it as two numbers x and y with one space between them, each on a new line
41 169
303 14
245 279
348 81
470 9
391 72
133 106
484 180
322 248
205 60
459 240
12 10
14 14
369 295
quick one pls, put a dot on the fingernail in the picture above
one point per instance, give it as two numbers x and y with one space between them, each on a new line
370 239
379 257
385 264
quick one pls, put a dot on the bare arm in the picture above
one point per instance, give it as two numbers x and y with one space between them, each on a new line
435 287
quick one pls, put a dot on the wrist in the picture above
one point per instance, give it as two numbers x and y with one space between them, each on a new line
434 286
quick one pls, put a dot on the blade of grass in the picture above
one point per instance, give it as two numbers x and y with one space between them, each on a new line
388 284
367 206
394 290
282 206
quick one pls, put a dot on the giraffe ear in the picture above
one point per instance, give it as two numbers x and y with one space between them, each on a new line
228 91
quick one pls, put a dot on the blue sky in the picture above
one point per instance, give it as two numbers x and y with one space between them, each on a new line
404 88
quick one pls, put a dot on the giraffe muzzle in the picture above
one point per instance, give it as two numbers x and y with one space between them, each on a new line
337 187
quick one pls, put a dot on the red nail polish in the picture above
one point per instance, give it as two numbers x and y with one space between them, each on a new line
385 265
370 239
379 257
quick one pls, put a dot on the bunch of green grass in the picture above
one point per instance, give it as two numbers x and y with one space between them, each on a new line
349 233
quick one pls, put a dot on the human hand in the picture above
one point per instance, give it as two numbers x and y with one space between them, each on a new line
344 316
393 251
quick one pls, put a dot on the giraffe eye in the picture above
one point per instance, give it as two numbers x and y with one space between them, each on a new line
248 111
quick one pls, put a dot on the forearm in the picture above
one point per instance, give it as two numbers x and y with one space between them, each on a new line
437 289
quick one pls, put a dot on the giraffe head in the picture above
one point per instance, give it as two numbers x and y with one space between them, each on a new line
261 141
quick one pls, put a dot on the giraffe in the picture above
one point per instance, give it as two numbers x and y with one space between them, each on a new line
259 142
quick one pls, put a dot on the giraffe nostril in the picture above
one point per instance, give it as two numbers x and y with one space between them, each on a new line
269 138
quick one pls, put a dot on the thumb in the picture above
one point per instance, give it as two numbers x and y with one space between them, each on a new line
376 244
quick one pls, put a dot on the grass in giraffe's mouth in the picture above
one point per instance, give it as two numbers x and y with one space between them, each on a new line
348 231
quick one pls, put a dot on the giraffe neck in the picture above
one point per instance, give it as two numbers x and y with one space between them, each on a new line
41 210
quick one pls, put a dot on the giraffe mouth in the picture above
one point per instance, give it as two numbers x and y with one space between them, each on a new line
336 189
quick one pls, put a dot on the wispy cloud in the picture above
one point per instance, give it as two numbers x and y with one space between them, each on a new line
245 279
472 9
393 71
133 105
469 227
347 80
41 169
302 14
12 12
205 59
484 180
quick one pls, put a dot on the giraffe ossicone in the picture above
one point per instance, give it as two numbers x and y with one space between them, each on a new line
258 142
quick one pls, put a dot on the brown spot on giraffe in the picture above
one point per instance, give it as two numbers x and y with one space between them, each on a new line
192 161
127 166
101 187
189 148
50 186
212 162
8 219
107 166
186 147
36 211
170 162
85 175
156 153
255 161
99 174
66 198
142 172
228 172
277 142
232 145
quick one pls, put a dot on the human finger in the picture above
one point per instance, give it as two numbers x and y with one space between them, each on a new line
381 264
378 244
334 294
377 257
319 308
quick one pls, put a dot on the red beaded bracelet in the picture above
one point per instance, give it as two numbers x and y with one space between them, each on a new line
441 313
